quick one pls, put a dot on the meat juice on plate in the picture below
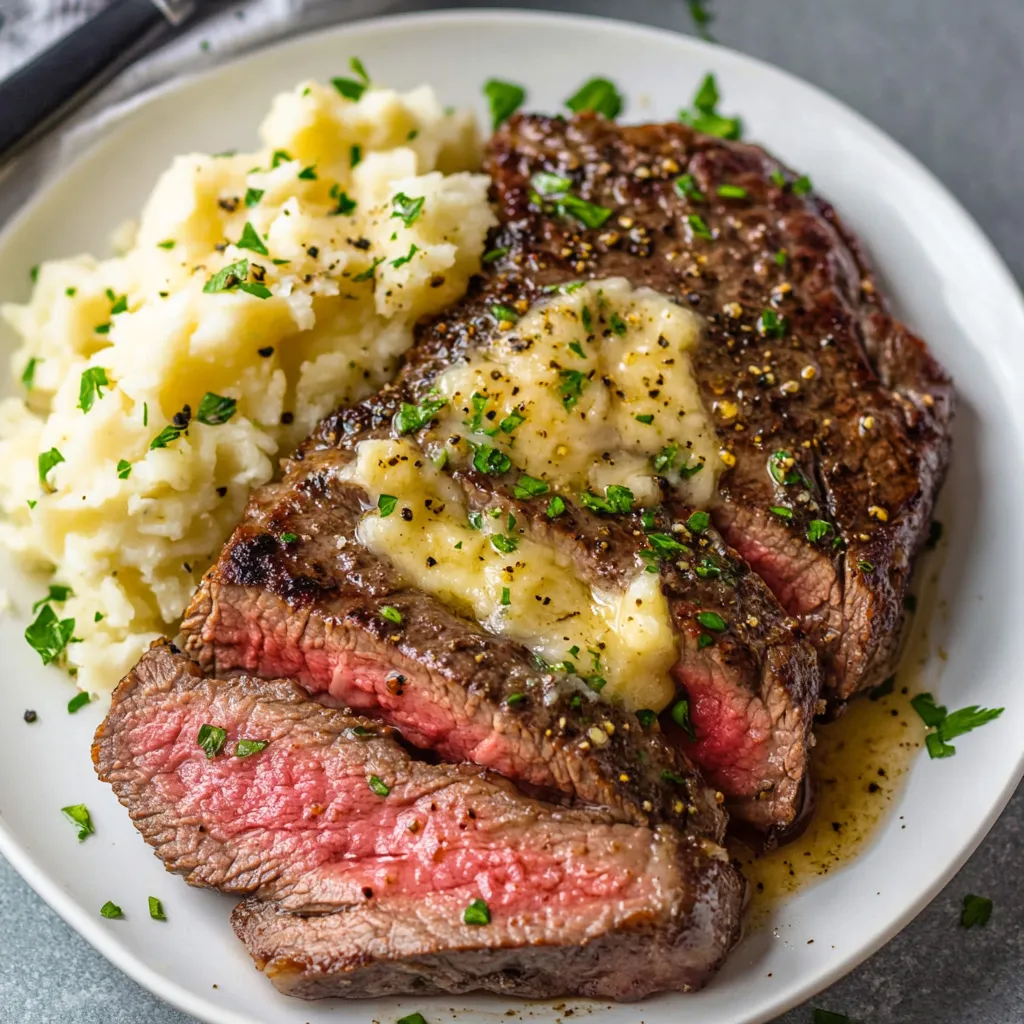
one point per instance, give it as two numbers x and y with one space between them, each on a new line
859 764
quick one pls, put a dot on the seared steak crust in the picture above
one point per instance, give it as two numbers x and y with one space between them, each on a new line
370 858
827 376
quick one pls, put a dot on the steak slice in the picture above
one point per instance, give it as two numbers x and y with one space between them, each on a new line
833 417
369 858
310 610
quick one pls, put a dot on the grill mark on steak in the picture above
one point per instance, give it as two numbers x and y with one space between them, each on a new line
868 410
368 890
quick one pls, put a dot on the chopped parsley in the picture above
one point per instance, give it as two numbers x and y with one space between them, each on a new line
556 188
345 203
704 640
712 621
618 500
412 1018
251 240
211 738
827 1017
977 910
169 244
111 910
55 592
778 178
782 467
504 99
665 546
646 717
556 506
491 461
492 255
646 418
28 375
698 522
817 529
378 785
686 187
503 544
617 324
156 909
308 173
386 504
215 409
368 273
401 261
246 748
782 512
511 421
571 385
407 209
681 716
355 155
353 88
48 636
948 725
78 702
698 227
504 314
598 95
391 614
477 913
289 538
253 196
47 460
167 436
529 487
704 116
732 192
124 469
78 815
702 18
802 185
229 277
771 325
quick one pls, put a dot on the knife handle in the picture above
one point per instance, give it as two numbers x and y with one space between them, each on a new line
46 89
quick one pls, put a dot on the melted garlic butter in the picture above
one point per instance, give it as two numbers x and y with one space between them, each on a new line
587 389
514 585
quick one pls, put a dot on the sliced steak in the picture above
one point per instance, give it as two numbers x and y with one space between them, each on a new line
310 609
834 418
333 818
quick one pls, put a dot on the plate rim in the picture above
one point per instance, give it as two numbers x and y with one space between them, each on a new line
50 890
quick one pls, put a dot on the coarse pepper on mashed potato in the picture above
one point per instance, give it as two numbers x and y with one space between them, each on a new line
258 292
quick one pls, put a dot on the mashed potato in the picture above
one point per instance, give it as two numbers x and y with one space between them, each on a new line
258 291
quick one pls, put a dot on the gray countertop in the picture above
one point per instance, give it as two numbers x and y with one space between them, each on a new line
946 79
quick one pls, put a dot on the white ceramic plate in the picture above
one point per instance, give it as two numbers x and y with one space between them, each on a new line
947 282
